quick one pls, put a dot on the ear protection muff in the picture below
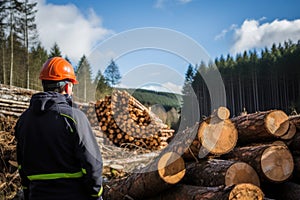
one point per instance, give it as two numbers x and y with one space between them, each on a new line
67 88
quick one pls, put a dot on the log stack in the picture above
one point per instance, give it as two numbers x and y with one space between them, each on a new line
126 122
13 100
254 156
230 158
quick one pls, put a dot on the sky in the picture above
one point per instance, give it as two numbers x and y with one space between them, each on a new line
154 41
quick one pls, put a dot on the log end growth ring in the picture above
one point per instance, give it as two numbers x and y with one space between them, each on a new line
218 138
246 191
171 168
241 172
277 123
277 163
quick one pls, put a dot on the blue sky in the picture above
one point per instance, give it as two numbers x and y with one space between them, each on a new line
218 26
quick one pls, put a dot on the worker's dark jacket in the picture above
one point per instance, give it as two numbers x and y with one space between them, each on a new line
57 153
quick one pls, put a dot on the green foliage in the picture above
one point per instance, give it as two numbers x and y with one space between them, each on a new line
102 88
85 90
55 51
112 74
149 98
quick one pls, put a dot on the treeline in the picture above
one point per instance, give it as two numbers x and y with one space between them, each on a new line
254 81
22 54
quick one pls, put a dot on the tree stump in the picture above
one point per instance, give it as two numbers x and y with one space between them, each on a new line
216 172
272 162
261 126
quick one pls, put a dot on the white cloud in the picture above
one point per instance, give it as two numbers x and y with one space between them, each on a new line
252 34
163 3
224 32
74 33
221 35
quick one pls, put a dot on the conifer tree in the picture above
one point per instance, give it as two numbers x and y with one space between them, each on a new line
112 74
55 51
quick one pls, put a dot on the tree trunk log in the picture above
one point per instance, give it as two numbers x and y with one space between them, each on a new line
261 126
157 177
272 162
185 143
215 172
188 192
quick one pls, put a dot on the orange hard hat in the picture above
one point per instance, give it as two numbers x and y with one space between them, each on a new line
57 69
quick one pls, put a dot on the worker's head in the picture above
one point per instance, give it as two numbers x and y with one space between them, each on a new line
58 75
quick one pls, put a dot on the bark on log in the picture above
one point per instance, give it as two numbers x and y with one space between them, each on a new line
161 175
290 133
272 162
296 173
217 136
188 192
215 172
261 126
282 191
295 144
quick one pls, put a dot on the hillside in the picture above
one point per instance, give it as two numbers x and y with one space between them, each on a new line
149 97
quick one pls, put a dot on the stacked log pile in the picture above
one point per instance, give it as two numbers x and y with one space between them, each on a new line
245 157
254 156
126 122
13 100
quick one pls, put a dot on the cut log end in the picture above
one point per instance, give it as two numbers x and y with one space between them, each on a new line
277 123
277 163
290 133
223 113
171 168
241 172
218 138
246 191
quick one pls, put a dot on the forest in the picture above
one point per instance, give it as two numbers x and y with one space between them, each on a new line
254 80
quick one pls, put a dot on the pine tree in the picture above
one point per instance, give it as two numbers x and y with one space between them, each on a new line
112 74
12 6
27 30
102 88
85 91
55 51
38 57
3 26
